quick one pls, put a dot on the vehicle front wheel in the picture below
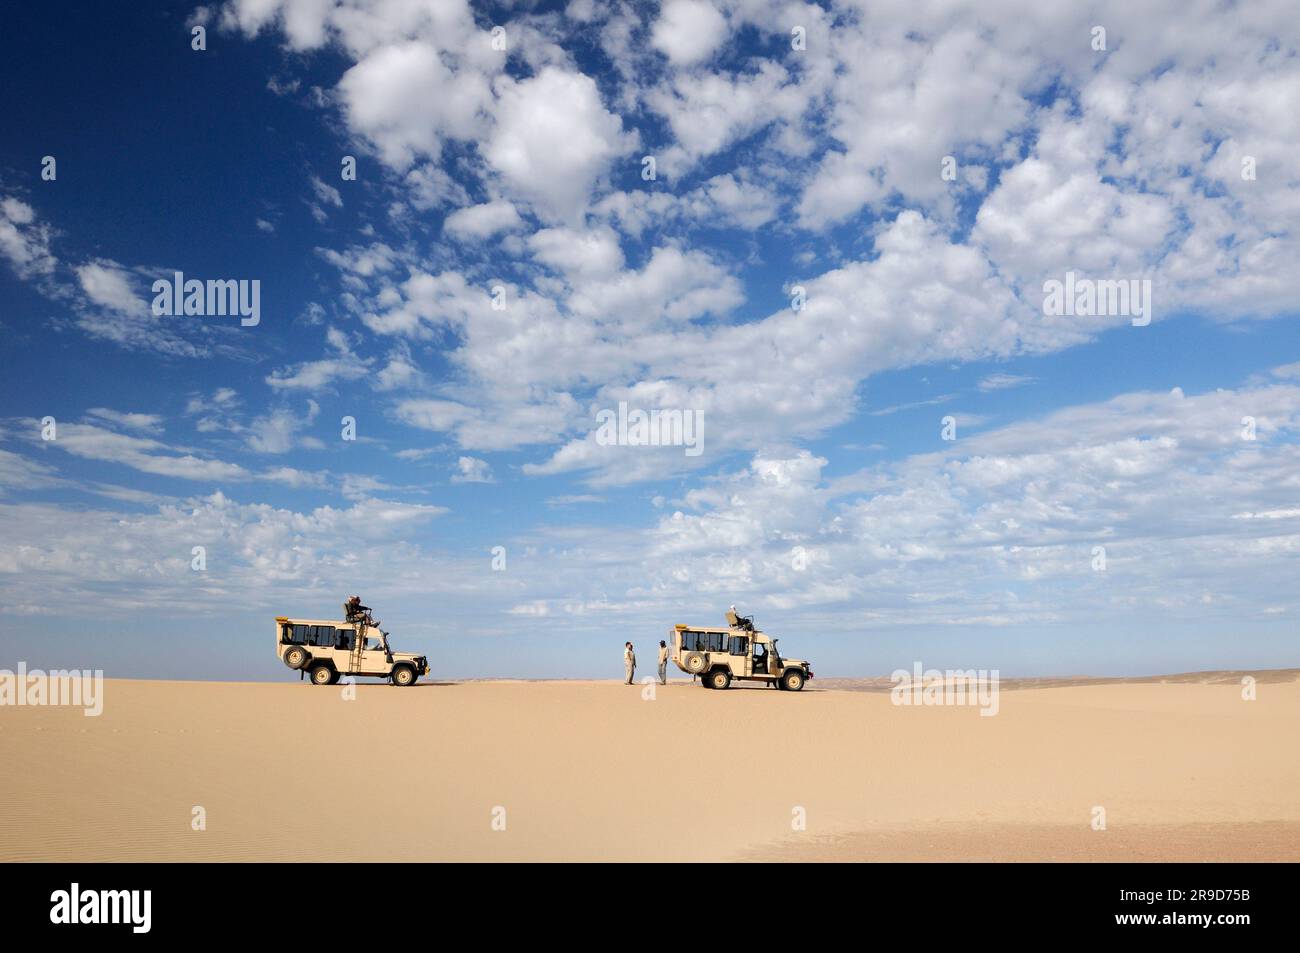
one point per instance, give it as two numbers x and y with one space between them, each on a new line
322 675
404 675
792 681
719 679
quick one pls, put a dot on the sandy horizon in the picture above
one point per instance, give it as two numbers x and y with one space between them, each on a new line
1184 767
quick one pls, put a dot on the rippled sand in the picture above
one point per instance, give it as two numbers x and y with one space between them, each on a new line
1184 768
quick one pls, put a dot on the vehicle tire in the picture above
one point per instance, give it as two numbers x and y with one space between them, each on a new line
404 675
719 679
296 657
335 677
792 680
695 663
322 675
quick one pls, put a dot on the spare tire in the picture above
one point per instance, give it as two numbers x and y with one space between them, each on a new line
695 663
296 657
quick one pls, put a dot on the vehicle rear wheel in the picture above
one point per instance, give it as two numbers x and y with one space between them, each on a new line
404 675
296 657
792 680
719 679
322 675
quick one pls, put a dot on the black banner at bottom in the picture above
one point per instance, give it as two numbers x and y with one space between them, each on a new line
144 902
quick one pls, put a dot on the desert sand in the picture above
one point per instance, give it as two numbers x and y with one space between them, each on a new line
1184 768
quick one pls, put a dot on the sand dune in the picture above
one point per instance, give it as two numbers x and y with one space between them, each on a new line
1184 767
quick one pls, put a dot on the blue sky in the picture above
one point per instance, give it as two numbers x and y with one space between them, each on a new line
825 499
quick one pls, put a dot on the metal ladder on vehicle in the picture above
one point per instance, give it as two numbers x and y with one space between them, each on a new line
358 645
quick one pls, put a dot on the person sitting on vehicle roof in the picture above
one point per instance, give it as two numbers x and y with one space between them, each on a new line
739 621
354 611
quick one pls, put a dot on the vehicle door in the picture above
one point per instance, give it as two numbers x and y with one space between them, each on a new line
738 650
374 660
324 647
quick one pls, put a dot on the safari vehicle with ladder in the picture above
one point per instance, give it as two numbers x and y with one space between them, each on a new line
738 652
326 650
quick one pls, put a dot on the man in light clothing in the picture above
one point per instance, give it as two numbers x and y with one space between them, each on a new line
629 661
663 662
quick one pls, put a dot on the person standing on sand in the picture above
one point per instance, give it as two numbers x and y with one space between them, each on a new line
629 661
663 662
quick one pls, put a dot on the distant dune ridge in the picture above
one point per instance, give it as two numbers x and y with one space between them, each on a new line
883 683
1180 768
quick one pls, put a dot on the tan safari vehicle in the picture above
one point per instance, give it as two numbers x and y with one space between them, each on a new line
739 651
326 650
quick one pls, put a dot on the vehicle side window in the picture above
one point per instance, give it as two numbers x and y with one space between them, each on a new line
717 642
325 636
738 645
301 634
